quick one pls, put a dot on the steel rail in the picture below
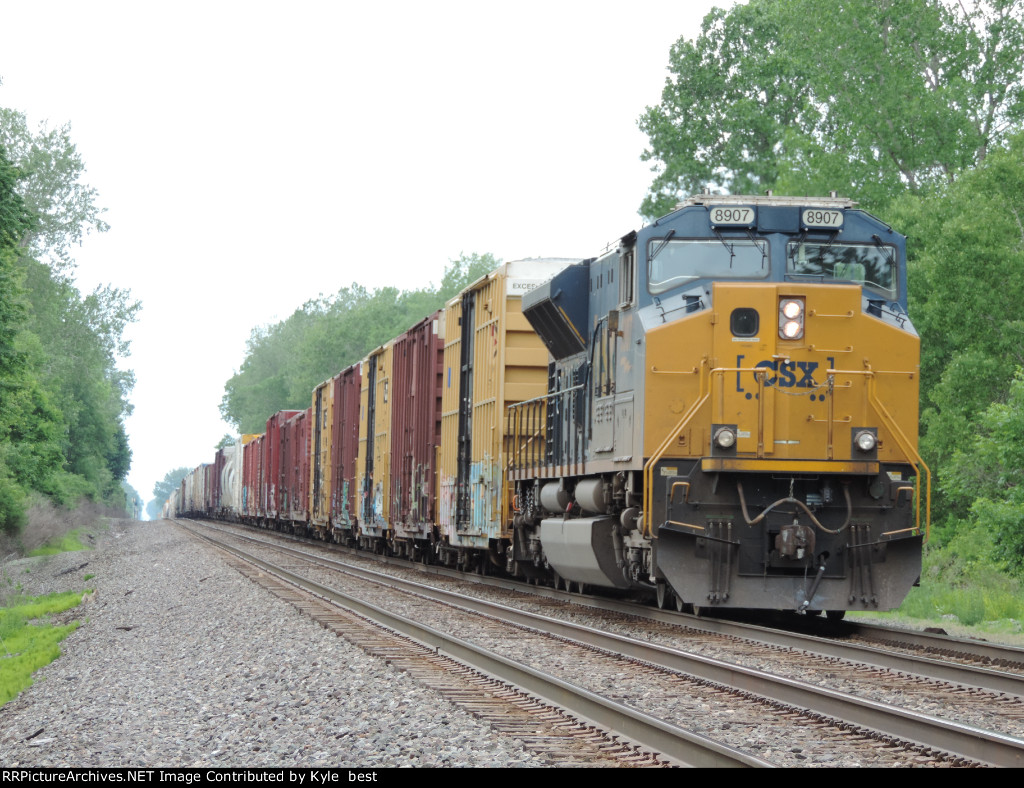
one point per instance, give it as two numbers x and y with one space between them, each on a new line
986 678
938 642
924 730
685 747
991 679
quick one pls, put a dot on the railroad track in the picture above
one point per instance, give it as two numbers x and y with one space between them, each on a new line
682 685
598 735
1000 667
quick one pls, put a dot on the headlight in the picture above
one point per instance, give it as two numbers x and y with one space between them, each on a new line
791 318
866 441
725 438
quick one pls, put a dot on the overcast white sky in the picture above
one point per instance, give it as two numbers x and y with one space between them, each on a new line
252 155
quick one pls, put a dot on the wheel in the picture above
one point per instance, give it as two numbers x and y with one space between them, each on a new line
581 588
680 604
663 594
835 615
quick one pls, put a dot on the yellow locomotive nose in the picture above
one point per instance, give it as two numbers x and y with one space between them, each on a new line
791 462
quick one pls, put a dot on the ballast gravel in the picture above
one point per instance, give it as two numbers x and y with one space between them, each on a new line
179 661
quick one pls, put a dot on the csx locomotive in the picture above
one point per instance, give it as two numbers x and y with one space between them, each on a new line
721 410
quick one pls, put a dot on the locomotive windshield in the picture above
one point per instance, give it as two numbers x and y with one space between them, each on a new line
674 262
870 265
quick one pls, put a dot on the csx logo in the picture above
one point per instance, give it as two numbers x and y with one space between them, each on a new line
781 373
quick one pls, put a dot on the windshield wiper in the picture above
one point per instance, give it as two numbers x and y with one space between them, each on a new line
885 250
761 246
662 245
728 247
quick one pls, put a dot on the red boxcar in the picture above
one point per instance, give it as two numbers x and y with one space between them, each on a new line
345 448
334 435
295 469
273 465
208 484
215 485
418 357
252 478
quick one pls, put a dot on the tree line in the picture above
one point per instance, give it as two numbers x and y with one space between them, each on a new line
63 399
284 362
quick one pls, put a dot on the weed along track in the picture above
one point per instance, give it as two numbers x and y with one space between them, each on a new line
172 665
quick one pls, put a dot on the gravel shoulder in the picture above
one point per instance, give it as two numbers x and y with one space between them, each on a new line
180 661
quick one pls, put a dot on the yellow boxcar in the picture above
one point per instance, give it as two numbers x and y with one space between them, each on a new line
320 467
373 465
492 358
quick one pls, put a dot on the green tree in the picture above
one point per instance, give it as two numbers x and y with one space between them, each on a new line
464 271
76 341
162 491
53 188
13 380
62 397
966 288
16 219
285 361
79 341
871 97
29 426
987 474
731 101
967 278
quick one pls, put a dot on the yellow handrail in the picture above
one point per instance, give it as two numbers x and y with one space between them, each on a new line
901 439
911 453
649 465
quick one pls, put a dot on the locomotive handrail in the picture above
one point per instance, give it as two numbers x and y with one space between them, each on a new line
759 375
526 430
545 397
521 439
911 452
901 439
659 453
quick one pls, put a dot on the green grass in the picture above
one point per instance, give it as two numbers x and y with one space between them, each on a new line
963 582
65 544
28 641
970 605
985 610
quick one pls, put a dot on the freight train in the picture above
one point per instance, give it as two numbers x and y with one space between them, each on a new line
721 411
